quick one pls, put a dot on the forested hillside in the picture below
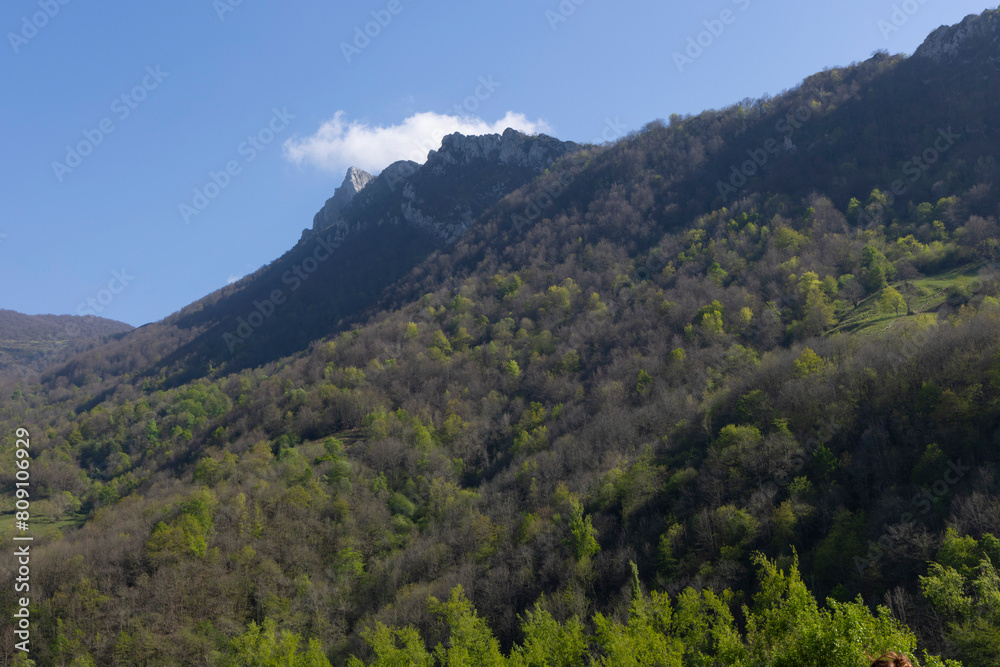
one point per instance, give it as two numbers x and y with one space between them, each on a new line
725 392
30 342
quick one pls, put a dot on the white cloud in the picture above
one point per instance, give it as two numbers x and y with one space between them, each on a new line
339 144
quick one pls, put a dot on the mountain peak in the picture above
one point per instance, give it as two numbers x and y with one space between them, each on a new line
975 31
511 147
355 181
409 192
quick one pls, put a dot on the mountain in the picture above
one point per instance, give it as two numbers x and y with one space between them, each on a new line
330 215
971 42
367 236
456 185
28 341
726 391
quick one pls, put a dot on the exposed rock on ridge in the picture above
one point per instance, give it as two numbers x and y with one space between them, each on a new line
330 215
443 196
949 42
512 147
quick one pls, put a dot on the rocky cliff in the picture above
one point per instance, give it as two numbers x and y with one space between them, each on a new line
964 40
509 148
330 215
463 178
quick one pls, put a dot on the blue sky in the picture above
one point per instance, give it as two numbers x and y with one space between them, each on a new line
155 98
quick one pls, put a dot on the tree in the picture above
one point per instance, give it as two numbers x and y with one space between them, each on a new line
852 289
548 642
891 299
875 269
809 363
643 382
964 587
818 314
471 643
265 646
644 641
583 535
785 626
394 648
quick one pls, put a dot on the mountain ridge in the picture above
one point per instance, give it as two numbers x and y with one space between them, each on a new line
398 194
976 31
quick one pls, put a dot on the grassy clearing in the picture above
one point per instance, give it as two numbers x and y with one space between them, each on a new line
41 526
925 295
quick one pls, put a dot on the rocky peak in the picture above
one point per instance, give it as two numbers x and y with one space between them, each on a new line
510 148
950 42
398 172
458 182
355 181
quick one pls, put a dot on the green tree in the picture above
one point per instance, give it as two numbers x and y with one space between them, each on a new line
891 299
875 269
583 538
643 382
644 641
809 363
265 646
394 648
786 626
548 643
470 641
964 588
440 345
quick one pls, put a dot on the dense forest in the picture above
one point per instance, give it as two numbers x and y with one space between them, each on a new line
724 392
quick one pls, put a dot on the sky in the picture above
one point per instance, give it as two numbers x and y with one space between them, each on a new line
154 152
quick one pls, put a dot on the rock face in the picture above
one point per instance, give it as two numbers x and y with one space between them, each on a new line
331 214
443 196
397 172
954 42
510 148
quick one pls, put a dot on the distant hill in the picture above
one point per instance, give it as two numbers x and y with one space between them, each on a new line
32 341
